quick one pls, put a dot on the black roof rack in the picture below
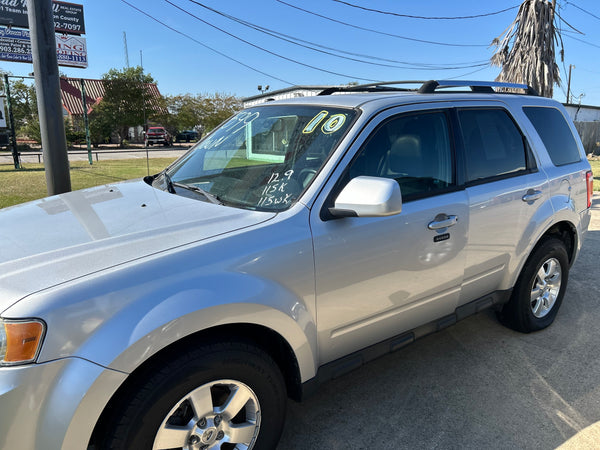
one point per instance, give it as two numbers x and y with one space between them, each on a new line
371 87
431 86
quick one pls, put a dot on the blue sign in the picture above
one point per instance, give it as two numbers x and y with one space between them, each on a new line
15 45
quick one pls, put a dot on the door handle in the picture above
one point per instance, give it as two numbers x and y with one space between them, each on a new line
532 196
442 221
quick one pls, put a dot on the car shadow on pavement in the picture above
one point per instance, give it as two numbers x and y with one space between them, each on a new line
474 385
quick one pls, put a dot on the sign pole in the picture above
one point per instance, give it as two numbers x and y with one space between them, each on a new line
11 120
47 82
86 121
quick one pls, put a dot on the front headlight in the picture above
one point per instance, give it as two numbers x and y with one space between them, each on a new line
20 341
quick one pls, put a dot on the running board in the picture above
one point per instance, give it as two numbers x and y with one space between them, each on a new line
342 366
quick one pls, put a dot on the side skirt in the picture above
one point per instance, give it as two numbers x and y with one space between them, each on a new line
339 367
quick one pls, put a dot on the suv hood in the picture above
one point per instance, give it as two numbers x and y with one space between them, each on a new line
56 239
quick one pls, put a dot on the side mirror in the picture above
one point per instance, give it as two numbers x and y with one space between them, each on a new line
368 197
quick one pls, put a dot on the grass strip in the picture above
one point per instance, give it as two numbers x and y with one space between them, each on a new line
29 183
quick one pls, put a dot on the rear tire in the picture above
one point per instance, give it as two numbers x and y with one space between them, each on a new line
540 289
213 396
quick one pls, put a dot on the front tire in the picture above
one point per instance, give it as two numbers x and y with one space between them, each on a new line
540 289
217 396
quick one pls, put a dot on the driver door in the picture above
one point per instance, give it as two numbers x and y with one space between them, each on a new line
377 277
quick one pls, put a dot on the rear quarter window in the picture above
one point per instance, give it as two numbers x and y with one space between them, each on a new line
555 133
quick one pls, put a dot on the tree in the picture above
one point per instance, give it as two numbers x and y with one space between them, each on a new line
185 111
24 107
531 60
127 101
101 126
204 111
217 108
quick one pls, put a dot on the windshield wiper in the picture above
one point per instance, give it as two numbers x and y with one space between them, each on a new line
190 187
170 188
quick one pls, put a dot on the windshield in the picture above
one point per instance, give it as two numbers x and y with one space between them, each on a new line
263 158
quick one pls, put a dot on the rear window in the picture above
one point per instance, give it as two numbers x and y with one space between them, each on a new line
494 146
555 133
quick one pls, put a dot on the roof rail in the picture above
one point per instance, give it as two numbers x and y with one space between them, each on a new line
370 87
431 86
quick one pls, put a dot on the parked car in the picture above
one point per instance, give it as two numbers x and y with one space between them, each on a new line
186 136
297 241
158 135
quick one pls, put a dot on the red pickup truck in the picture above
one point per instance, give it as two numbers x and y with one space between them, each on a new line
158 135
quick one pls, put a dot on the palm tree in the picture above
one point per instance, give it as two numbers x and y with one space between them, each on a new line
531 60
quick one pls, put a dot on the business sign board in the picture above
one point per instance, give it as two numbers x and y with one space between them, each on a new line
15 45
68 17
71 51
2 114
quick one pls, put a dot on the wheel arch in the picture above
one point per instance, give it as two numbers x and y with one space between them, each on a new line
260 336
567 233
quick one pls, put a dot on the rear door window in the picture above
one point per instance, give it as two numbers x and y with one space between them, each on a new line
494 146
555 133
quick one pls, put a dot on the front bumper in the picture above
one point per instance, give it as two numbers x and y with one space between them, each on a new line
53 405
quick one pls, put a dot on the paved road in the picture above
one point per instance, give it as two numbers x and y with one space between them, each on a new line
476 385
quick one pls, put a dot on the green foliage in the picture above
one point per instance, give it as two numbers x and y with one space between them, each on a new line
24 109
101 125
74 135
595 163
126 102
218 108
202 111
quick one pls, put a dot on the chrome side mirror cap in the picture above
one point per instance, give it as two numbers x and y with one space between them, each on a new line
368 197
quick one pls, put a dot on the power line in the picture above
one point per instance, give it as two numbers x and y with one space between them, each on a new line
468 73
424 41
409 16
585 42
300 42
584 10
206 46
264 49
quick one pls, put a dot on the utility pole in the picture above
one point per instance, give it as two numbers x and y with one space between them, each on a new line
47 85
571 66
86 121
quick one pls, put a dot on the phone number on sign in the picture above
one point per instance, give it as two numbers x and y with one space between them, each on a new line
67 26
10 49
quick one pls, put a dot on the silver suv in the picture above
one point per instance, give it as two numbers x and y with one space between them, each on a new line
300 239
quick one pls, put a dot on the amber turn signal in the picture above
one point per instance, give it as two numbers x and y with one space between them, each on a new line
22 341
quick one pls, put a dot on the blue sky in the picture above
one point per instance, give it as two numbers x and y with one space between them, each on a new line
183 64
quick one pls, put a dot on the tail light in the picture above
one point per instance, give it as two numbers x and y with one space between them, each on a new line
589 178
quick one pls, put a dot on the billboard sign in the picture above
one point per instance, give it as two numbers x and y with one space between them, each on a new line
71 51
68 17
15 45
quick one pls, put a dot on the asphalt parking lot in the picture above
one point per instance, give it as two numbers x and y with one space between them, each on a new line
475 385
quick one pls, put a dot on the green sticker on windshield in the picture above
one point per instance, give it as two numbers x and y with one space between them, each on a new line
333 124
314 123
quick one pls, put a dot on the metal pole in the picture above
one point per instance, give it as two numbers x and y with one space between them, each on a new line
11 124
569 85
86 121
47 83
